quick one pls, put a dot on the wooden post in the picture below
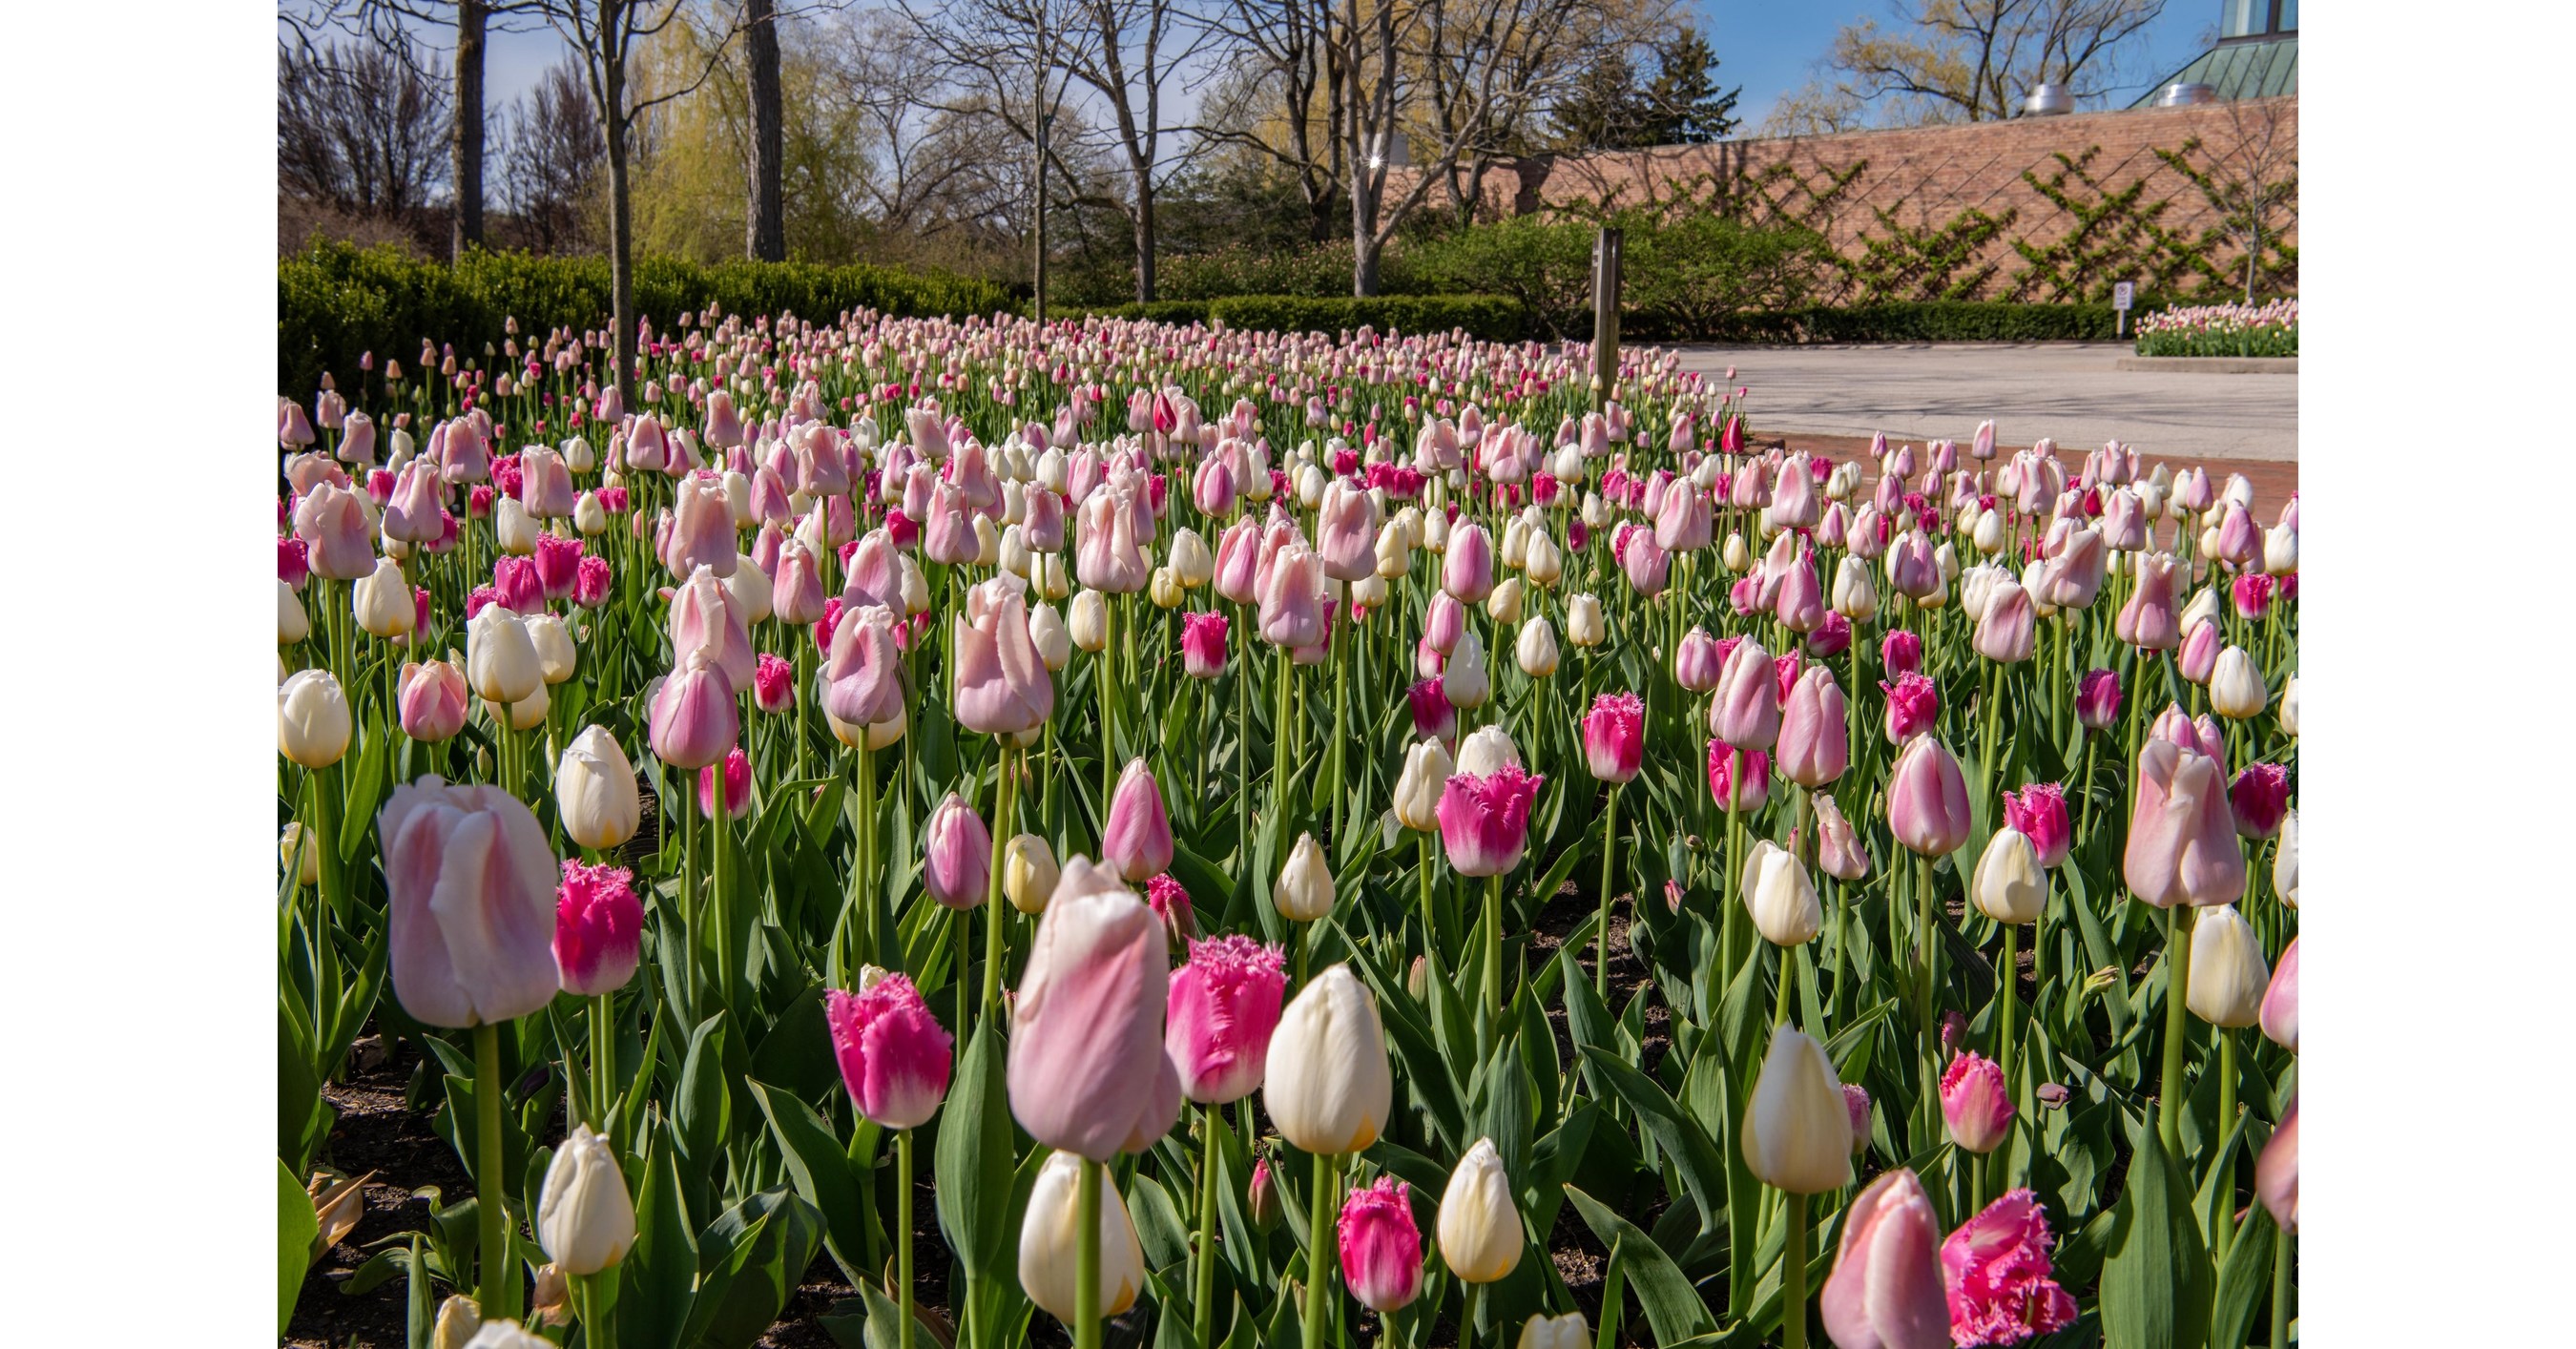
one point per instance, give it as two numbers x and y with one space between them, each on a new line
1605 314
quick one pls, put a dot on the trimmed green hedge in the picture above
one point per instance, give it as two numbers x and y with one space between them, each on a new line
335 301
1491 317
1918 321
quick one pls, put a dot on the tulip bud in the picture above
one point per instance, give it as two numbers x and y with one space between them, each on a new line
1028 873
1781 898
957 855
1427 768
458 1320
1304 890
552 642
2228 975
1326 1083
585 1219
381 602
292 625
313 721
1480 1228
1138 836
1051 1236
1537 648
1556 1332
1088 621
1797 1131
1047 632
1976 1106
296 853
1261 1197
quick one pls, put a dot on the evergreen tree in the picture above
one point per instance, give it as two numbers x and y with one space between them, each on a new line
1604 111
1687 106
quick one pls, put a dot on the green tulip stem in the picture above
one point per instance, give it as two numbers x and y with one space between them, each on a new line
498 1297
903 1228
1105 670
596 1295
2226 1233
1467 1315
1430 905
719 841
804 682
1988 771
1491 1013
1788 983
2177 1025
603 1059
1729 933
1319 1246
1086 1259
1243 747
1005 789
2281 1290
2007 1017
864 878
1203 1304
1793 1276
691 913
1601 936
1929 1109
1279 741
1341 721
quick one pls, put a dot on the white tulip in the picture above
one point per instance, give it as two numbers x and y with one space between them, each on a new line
585 1219
2236 689
2009 886
2228 973
1783 900
1417 789
595 793
1326 1082
1051 1236
1464 682
313 720
292 625
1797 1131
1480 1228
381 601
1304 890
1537 648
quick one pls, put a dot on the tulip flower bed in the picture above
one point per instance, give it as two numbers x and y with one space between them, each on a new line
1112 831
2270 329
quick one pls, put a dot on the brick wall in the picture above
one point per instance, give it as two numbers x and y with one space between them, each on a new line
1922 177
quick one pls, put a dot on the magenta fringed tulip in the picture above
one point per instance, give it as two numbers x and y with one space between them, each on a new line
2280 1015
1996 1270
1484 821
1170 901
2182 837
1697 663
1203 645
692 721
773 684
737 787
895 1057
1746 711
2149 620
1380 1245
558 566
957 855
2097 699
1887 1290
1815 736
1225 1002
2259 798
599 929
2039 812
1913 707
1614 737
1002 687
1138 837
1088 1073
862 683
1927 799
1976 1107
1900 652
1467 570
470 886
1755 788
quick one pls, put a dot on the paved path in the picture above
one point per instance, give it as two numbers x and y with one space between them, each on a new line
2072 391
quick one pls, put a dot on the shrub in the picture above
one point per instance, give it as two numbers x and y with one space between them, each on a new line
1491 317
1545 266
335 301
1696 272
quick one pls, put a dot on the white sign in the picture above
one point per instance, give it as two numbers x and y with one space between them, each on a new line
2124 295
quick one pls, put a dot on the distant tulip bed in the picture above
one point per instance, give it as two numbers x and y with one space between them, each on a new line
2270 329
1226 838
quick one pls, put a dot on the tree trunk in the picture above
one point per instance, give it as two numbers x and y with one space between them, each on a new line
621 230
1144 237
465 139
766 231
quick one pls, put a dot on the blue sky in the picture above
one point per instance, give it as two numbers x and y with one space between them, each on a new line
1768 46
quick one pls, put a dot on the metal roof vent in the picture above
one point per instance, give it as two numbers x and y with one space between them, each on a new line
2186 95
2048 100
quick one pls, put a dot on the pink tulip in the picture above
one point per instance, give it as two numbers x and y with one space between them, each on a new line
2281 1001
1433 716
2072 577
1832 637
1467 571
1484 820
773 684
1647 566
1913 568
1443 623
1698 664
1170 901
558 566
1976 1106
2200 647
1001 687
515 584
948 532
1927 799
332 522
2259 798
737 787
1225 1003
2148 621
702 532
957 855
591 581
1683 523
861 678
1380 1245
431 701
2240 540
692 722
1088 1073
1800 605
1138 837
1292 605
1996 1268
1886 1291
1746 711
1203 645
703 621
1856 1106
2182 837
599 929
1815 738
724 427
2201 735
470 886
1840 851
2007 631
1900 652
2039 812
1346 524
545 485
1913 707
1238 559
796 586
2276 1172
1755 788
2097 699
1614 737
1106 555
894 1056
293 429
1212 488
412 512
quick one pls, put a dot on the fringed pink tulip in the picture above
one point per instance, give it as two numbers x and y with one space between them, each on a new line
1203 645
1484 821
2259 799
737 787
1900 653
773 684
599 929
894 1056
1225 1003
1997 1271
1614 737
1381 1248
2039 812
1751 790
1976 1107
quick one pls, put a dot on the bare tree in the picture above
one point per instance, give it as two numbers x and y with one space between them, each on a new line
934 164
1971 60
552 168
1126 52
359 130
2253 180
402 27
1282 67
767 222
1005 60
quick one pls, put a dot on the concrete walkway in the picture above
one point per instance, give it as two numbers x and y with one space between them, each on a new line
2073 391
